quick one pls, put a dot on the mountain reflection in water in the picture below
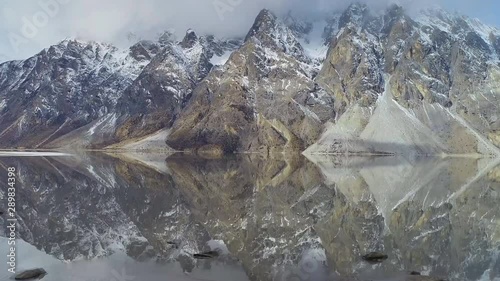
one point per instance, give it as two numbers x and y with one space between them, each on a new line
270 219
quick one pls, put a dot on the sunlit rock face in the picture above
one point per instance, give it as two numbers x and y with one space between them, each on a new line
277 218
264 99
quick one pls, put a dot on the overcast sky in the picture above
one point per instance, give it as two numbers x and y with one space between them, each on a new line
27 26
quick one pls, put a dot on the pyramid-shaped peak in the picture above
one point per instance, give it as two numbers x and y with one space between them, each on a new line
355 14
265 15
189 40
166 37
264 21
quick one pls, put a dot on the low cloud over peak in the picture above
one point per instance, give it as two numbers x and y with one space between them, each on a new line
29 27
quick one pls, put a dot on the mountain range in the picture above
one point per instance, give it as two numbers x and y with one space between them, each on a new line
355 81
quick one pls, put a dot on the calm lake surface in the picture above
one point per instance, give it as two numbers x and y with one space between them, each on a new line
142 217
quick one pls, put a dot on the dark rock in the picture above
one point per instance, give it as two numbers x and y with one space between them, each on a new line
174 244
206 255
189 40
37 273
415 273
187 263
475 41
375 257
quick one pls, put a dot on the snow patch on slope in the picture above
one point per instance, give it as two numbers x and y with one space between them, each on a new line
314 43
395 125
151 142
105 124
222 59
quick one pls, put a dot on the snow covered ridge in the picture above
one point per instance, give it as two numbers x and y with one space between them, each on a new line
77 84
91 94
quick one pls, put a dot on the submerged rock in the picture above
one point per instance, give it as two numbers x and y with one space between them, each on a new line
417 276
375 257
37 273
174 244
423 278
206 255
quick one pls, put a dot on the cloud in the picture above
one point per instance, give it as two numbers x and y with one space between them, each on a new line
48 21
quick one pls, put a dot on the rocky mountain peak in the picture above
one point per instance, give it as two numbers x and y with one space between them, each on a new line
355 14
189 40
270 32
265 21
394 11
144 50
166 37
394 15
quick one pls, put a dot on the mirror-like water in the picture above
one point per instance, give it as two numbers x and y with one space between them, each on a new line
142 217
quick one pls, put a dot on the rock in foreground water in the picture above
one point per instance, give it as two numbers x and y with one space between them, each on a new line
31 274
375 257
206 255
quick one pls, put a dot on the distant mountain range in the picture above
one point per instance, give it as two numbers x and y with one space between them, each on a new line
356 81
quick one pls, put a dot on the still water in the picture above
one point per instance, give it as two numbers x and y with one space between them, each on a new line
129 217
